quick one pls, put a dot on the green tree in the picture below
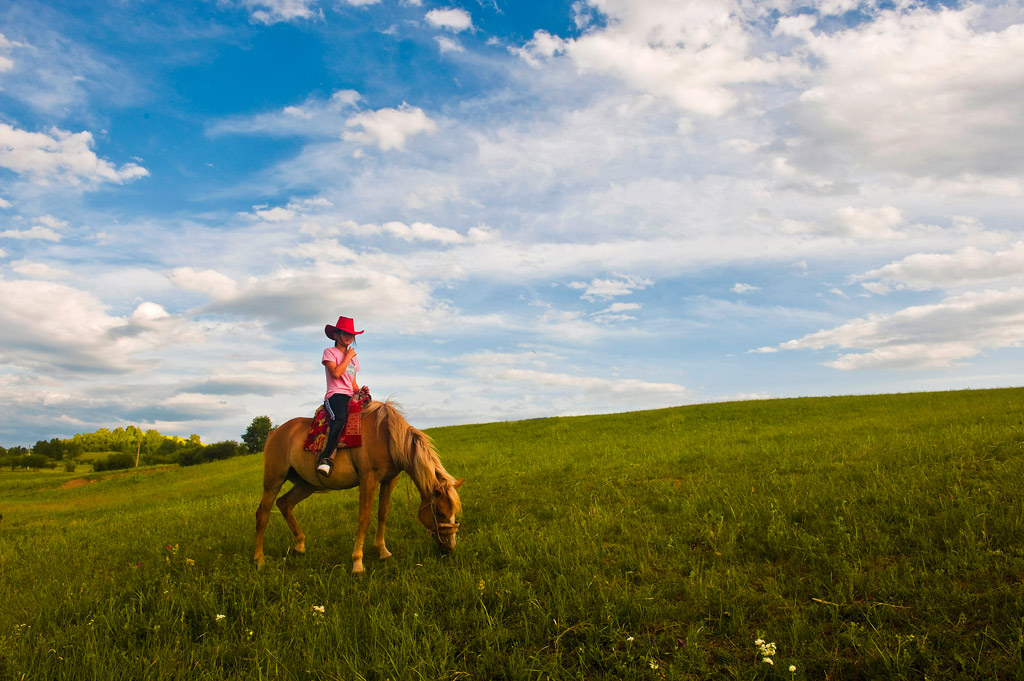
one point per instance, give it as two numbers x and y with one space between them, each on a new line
114 462
37 461
255 436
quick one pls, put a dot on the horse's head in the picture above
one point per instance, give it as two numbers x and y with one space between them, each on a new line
437 514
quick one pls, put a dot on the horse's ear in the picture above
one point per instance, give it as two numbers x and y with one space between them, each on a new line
458 483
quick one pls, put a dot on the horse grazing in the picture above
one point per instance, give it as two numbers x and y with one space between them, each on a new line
390 446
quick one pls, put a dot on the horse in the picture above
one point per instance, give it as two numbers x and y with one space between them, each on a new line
390 446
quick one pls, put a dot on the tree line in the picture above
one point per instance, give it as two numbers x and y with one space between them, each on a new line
130 446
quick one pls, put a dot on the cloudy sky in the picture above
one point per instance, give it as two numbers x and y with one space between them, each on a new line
533 208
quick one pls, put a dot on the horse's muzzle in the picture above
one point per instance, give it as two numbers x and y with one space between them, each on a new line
446 535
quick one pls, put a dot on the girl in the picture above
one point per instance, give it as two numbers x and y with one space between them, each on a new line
341 366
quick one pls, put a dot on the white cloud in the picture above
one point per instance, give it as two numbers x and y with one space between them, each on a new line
528 369
60 156
57 73
870 224
6 46
451 19
38 270
276 214
275 11
926 336
36 232
618 312
864 224
290 297
218 286
46 324
920 91
694 54
584 385
422 231
623 307
389 128
315 117
318 218
970 184
609 288
965 267
446 44
744 288
417 231
51 222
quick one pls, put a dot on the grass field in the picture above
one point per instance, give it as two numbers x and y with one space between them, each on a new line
876 537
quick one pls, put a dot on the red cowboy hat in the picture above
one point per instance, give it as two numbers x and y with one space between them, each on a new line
344 324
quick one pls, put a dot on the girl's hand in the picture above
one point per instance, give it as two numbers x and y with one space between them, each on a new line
350 353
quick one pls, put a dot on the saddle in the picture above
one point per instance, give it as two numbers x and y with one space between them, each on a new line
352 436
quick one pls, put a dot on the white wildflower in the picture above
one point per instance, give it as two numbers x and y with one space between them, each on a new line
220 617
792 668
319 609
768 660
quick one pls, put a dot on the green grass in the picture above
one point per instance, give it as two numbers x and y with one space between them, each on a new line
876 537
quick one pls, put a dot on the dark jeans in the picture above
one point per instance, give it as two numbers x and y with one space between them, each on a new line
337 409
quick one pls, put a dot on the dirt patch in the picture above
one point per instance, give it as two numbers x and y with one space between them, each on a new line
77 482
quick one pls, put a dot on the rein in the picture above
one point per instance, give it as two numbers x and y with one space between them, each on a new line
439 528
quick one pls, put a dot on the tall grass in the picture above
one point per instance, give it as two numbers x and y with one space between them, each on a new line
875 537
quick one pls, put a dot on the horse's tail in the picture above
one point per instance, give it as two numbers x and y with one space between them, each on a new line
411 449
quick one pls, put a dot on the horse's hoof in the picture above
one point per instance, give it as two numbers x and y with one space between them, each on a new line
259 562
357 569
384 554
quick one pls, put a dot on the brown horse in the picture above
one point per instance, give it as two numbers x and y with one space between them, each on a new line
390 446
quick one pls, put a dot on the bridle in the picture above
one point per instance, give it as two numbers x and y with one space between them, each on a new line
441 530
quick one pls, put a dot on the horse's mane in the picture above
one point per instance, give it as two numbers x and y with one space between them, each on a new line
413 450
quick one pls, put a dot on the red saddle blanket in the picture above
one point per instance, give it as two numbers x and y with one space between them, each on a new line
352 436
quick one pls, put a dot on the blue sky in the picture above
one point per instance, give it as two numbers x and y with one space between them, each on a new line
532 208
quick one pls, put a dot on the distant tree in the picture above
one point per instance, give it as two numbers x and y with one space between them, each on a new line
51 449
191 454
224 450
37 461
72 450
151 442
166 452
58 449
115 462
255 436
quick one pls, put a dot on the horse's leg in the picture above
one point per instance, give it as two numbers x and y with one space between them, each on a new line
299 491
270 489
367 486
383 506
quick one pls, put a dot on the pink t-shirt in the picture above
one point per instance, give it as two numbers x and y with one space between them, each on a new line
345 384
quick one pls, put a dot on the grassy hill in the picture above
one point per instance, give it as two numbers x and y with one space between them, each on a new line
866 537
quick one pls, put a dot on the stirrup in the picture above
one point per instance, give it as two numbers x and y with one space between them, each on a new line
325 467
